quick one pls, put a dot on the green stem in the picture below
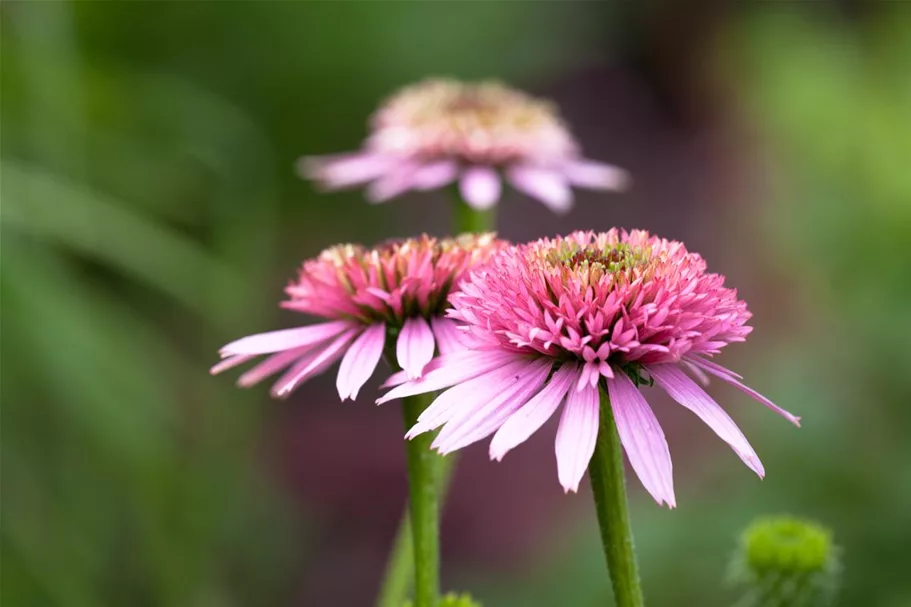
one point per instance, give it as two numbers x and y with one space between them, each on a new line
609 490
466 219
402 561
423 474
400 567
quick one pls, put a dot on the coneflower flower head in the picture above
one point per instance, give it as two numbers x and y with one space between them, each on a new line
400 287
435 132
550 320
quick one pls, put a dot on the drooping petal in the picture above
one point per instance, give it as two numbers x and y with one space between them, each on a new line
275 341
360 361
344 170
697 371
275 363
731 378
466 428
595 175
576 436
313 364
392 184
447 370
230 362
448 337
705 363
546 185
642 438
414 347
435 174
589 376
688 393
531 416
480 187
466 397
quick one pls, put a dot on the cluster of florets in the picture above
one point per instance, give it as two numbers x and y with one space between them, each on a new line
618 297
396 280
486 122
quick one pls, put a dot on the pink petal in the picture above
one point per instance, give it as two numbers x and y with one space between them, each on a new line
544 184
343 171
701 377
526 421
596 175
590 375
394 183
704 363
731 378
230 363
467 427
275 341
688 393
448 370
576 436
313 364
480 187
467 397
360 361
448 337
414 347
642 439
435 175
273 364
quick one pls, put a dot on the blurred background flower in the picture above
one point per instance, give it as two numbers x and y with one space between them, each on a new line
150 205
437 131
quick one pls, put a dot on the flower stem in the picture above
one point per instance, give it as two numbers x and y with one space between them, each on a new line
428 478
609 490
400 567
466 219
423 474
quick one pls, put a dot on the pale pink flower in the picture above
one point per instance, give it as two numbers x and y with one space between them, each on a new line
400 288
553 319
437 132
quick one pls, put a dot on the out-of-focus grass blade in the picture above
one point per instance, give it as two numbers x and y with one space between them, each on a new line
89 223
87 351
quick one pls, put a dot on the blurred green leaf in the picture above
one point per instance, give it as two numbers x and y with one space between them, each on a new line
90 224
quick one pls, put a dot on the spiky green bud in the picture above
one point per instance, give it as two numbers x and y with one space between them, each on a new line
786 562
452 599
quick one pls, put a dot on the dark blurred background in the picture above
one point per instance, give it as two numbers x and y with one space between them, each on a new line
150 213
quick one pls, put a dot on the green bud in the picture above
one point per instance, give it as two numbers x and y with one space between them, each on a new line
786 562
453 600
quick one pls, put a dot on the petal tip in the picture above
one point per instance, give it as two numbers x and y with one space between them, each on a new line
569 488
623 180
497 455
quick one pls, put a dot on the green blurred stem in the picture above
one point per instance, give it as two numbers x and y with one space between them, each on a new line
406 556
466 219
400 568
609 490
423 485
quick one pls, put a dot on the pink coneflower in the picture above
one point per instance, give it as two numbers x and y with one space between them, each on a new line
436 132
401 287
554 318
